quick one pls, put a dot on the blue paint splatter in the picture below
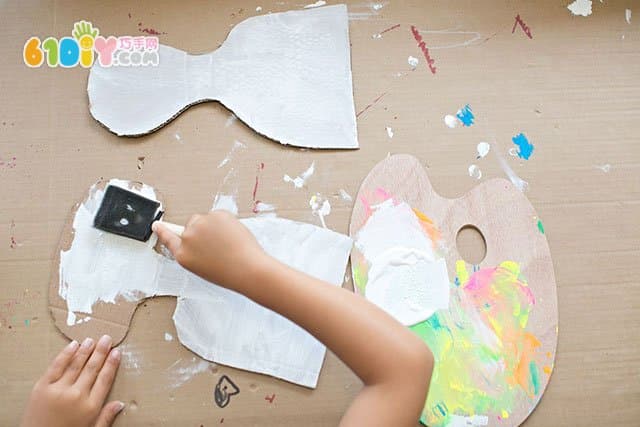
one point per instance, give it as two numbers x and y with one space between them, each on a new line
465 115
525 148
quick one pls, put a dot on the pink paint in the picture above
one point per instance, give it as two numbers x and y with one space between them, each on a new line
9 164
524 26
423 47
383 194
255 188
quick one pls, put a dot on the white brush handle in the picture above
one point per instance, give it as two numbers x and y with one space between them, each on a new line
175 228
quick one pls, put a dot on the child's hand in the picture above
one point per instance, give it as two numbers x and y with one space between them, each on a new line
215 246
73 390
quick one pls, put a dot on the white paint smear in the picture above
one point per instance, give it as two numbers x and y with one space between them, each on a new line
320 207
520 184
413 61
476 37
464 421
182 371
301 179
105 267
316 4
226 202
405 278
259 9
606 168
580 7
168 336
627 16
277 87
345 196
450 121
237 145
483 149
132 359
389 131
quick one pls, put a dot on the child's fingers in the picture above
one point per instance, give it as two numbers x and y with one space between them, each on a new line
167 237
106 376
94 364
60 363
78 361
109 413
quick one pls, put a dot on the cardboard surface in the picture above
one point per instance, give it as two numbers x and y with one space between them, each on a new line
572 89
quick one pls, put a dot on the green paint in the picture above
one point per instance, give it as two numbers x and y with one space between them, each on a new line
540 226
27 322
535 378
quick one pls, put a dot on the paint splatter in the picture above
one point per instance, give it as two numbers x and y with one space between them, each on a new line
363 11
168 336
320 207
487 362
258 8
316 4
475 172
260 168
10 163
271 398
389 131
525 148
300 180
465 115
132 359
227 193
606 168
413 61
580 7
524 27
386 30
151 31
423 47
540 226
141 162
345 196
519 183
13 242
237 145
178 137
182 371
450 121
230 120
627 15
483 149
375 101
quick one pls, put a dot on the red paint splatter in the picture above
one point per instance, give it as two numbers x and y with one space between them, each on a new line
270 398
524 26
255 187
9 164
423 47
390 29
370 105
14 244
151 31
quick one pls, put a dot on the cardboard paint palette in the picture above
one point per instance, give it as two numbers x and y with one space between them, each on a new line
495 343
286 75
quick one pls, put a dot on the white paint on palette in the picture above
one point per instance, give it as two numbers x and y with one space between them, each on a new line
475 172
606 168
168 336
230 120
580 7
182 371
237 145
132 359
520 184
413 61
345 196
627 16
389 130
316 4
468 421
473 37
483 149
364 11
450 121
320 207
225 202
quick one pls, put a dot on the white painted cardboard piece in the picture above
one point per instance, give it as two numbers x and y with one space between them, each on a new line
217 324
286 75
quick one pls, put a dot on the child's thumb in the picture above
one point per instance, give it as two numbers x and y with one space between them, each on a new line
109 413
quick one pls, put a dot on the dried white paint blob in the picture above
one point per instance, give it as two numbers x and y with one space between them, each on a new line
413 61
168 336
320 207
259 9
405 278
627 16
301 179
389 131
183 371
178 137
513 152
464 421
376 36
345 196
475 172
450 121
580 7
316 4
606 168
377 6
230 120
237 145
483 149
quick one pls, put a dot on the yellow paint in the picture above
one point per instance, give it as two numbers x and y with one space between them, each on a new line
504 414
429 227
547 370
461 272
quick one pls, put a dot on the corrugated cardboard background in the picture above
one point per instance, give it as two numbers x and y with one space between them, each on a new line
573 89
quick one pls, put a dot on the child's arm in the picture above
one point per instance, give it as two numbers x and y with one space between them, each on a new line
393 363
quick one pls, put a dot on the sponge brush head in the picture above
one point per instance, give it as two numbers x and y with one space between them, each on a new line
127 214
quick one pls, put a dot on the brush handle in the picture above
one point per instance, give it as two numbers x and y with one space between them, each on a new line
175 228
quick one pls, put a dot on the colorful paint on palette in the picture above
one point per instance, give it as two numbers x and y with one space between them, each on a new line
487 363
525 148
